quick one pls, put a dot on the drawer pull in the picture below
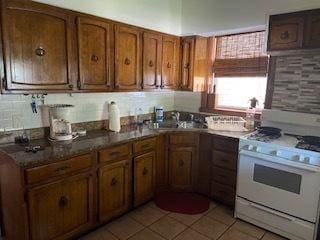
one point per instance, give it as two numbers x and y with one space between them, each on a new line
151 63
145 171
64 168
169 65
63 201
94 58
114 153
181 163
145 145
113 182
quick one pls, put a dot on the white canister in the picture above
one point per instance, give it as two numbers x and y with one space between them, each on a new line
114 117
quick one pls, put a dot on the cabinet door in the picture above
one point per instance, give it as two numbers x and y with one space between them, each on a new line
285 33
152 45
170 57
312 37
94 38
181 161
38 47
114 189
144 177
127 58
187 63
60 209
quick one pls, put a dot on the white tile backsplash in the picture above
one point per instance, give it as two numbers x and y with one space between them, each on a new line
15 110
187 101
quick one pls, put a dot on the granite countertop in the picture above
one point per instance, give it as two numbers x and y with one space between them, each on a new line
96 139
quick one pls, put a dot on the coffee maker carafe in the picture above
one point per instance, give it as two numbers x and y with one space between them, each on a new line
60 127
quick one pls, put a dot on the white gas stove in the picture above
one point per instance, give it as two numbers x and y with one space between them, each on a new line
279 183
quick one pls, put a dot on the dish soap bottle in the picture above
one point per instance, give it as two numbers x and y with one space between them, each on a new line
250 114
114 117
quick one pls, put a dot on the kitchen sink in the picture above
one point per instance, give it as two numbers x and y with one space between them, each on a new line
179 125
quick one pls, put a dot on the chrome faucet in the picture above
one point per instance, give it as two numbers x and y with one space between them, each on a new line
176 116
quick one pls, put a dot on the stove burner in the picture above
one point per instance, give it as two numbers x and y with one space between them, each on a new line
307 146
263 137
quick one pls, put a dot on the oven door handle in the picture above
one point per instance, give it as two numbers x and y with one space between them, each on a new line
284 216
278 160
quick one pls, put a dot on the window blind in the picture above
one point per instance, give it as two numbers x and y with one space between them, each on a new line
240 55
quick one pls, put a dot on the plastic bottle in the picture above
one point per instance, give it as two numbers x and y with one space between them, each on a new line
114 117
250 114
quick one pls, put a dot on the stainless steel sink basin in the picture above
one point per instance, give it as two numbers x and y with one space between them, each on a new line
179 125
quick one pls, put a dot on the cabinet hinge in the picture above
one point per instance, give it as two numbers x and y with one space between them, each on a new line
79 84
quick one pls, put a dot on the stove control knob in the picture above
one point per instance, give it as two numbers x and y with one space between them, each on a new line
274 153
306 160
296 158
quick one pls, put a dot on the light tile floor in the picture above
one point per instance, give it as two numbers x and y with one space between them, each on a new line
152 223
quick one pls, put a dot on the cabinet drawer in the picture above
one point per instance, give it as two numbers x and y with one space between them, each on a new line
144 145
115 153
226 144
71 165
223 193
224 160
183 138
223 176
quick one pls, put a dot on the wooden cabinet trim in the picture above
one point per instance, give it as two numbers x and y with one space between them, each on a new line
115 153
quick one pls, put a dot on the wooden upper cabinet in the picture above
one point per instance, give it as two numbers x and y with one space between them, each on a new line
127 58
95 58
285 32
312 36
61 208
38 47
144 177
152 46
294 31
170 58
187 51
114 189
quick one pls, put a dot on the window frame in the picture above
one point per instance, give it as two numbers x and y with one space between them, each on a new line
208 99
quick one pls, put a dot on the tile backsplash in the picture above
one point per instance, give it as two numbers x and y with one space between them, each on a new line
16 113
297 84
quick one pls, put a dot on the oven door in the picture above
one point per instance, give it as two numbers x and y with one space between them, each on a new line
281 187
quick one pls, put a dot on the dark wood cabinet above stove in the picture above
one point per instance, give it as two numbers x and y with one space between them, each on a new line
294 31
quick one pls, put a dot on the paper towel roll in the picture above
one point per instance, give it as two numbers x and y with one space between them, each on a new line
114 117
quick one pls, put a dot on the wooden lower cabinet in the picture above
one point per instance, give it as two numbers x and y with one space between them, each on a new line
181 168
144 177
114 189
61 209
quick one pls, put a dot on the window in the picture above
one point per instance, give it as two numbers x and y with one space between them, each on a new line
239 72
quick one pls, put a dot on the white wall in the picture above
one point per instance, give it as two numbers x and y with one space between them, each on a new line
15 110
161 15
226 16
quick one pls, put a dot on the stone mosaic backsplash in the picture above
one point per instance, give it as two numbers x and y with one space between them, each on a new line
297 84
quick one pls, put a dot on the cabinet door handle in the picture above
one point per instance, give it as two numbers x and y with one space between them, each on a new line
114 153
147 145
181 163
113 182
40 52
127 61
145 171
186 65
94 58
71 86
169 65
63 201
151 63
285 35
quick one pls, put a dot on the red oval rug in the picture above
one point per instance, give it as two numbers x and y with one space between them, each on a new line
187 203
